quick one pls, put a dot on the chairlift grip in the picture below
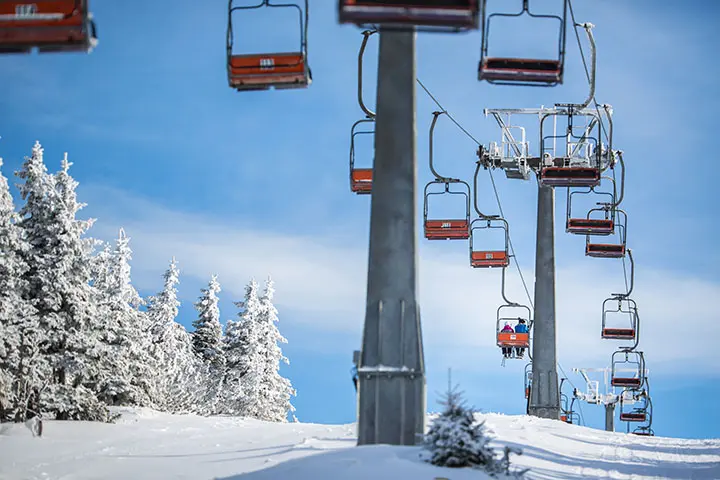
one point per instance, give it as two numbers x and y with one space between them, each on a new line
366 36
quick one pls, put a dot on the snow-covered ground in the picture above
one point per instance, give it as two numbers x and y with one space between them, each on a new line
145 444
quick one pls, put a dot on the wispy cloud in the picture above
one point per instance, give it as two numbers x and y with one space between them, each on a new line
321 287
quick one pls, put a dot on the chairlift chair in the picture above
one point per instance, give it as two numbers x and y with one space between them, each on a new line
48 25
360 178
262 71
588 225
512 340
581 164
628 309
447 229
619 378
610 250
442 15
646 429
483 257
521 71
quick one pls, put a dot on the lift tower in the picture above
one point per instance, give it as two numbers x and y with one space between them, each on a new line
391 367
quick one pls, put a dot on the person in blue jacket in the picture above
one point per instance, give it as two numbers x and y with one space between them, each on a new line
521 327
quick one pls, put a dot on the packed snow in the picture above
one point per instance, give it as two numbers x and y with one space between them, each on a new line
146 444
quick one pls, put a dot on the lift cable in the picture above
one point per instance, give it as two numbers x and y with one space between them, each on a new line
587 70
497 196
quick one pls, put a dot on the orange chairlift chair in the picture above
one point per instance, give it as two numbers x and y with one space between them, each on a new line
623 321
590 224
480 256
636 413
511 339
633 375
361 178
48 25
262 71
646 429
445 228
585 156
522 71
616 249
441 15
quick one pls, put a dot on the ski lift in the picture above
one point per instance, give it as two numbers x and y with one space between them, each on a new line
646 409
512 339
445 15
49 26
634 362
585 157
445 229
627 309
522 71
588 225
261 71
486 258
360 178
610 250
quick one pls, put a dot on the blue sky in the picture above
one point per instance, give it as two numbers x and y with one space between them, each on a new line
251 184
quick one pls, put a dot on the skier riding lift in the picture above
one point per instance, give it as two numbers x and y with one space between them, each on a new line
507 351
521 327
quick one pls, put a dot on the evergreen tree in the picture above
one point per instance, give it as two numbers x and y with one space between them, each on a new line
274 397
455 439
207 344
180 380
126 337
207 337
230 399
18 319
58 287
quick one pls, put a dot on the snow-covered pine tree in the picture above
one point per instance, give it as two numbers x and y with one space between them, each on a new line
126 337
455 439
207 337
273 402
243 365
18 320
58 287
181 376
207 343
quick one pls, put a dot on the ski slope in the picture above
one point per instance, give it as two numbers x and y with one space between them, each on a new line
145 444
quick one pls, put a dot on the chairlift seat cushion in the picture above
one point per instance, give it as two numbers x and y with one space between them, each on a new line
55 25
507 339
626 382
431 13
489 259
619 333
361 180
589 226
520 70
262 71
633 417
447 229
605 250
570 176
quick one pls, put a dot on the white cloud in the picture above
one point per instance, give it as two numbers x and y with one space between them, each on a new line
321 286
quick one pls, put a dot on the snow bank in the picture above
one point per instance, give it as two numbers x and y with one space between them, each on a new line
145 444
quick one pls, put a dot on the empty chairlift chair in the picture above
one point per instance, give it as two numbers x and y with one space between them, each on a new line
48 25
522 71
616 249
360 178
620 323
590 224
482 257
628 372
448 15
447 228
262 71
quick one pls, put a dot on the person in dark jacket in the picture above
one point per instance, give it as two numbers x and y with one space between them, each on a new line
521 327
